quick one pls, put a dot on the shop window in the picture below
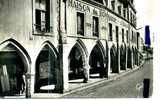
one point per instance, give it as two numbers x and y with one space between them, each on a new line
95 26
42 15
80 23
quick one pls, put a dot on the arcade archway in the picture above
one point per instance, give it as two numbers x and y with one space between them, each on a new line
97 61
77 61
45 75
129 58
114 60
14 64
123 58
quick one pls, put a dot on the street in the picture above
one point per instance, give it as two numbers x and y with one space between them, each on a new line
128 86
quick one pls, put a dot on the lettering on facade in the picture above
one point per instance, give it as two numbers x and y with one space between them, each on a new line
105 14
124 24
88 24
79 6
85 8
103 28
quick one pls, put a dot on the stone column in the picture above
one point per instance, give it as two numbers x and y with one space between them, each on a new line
126 58
109 62
28 85
118 60
132 60
86 68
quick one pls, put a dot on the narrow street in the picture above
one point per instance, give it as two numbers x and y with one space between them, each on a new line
126 86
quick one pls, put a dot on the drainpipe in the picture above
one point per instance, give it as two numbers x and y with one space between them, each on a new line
106 60
60 85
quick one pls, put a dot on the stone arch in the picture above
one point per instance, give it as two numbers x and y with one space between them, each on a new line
45 68
122 58
136 56
133 55
77 60
129 58
14 65
97 60
113 59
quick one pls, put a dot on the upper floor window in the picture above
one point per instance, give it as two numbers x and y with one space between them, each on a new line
127 14
95 26
113 5
131 17
127 36
132 36
124 12
80 23
100 1
119 10
117 37
42 15
110 32
122 35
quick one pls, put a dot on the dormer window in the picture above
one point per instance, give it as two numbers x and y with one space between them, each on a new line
113 5
119 10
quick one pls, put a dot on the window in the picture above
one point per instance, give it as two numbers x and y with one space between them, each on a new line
80 23
132 35
127 36
42 15
95 26
122 35
124 12
119 10
127 14
110 32
113 5
117 37
99 1
131 17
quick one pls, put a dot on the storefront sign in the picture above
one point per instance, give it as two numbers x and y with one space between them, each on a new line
124 24
105 14
79 6
86 8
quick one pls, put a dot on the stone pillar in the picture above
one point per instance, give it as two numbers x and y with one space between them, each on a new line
86 68
109 62
118 59
28 85
126 58
65 68
132 60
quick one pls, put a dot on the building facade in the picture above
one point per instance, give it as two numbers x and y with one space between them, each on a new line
50 42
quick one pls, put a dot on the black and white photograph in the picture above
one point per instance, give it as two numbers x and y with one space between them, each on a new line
71 49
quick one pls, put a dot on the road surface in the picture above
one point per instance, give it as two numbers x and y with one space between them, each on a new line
128 86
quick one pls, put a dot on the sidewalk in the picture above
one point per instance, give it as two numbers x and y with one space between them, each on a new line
78 85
